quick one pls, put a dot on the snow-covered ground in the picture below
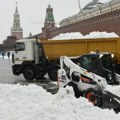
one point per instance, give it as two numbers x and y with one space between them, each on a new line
6 75
32 102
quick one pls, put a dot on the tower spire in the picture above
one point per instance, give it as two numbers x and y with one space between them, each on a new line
16 30
49 19
16 11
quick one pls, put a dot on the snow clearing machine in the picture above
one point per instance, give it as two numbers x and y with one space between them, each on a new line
35 57
89 75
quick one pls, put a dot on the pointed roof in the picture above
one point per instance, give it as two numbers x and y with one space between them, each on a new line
30 34
49 6
16 10
49 14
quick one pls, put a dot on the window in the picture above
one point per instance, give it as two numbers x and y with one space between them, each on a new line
92 64
107 62
19 47
85 63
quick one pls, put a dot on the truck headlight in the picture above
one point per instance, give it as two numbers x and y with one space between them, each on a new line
13 58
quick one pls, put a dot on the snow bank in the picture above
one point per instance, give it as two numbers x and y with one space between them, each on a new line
62 36
101 35
32 102
77 35
114 89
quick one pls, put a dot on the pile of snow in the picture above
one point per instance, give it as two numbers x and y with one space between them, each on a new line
74 35
114 89
77 35
32 102
101 35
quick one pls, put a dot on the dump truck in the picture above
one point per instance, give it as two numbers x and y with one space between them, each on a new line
34 58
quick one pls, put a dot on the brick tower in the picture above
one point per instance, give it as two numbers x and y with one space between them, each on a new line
49 23
16 30
49 19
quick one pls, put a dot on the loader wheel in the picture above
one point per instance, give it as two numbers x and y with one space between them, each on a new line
52 73
75 88
29 73
90 95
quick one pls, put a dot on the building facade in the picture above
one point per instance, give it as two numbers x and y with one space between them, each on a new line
16 33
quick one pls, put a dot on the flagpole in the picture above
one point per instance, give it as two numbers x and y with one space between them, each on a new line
79 5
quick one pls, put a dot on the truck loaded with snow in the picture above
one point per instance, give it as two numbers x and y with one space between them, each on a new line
34 58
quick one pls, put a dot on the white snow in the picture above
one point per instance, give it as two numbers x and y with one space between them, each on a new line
62 36
78 35
114 89
32 102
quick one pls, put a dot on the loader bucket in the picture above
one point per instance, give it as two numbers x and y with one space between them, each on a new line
111 101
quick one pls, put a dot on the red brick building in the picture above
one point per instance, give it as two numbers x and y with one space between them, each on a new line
16 32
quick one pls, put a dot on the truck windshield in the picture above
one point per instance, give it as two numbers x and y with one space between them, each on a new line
19 46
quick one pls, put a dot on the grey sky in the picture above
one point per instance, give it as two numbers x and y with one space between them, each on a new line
32 13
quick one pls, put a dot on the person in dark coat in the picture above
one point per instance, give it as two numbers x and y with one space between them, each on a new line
8 54
3 54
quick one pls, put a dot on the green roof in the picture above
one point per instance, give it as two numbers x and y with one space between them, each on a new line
49 14
49 17
49 6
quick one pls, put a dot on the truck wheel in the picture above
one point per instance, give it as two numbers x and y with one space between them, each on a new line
29 73
52 73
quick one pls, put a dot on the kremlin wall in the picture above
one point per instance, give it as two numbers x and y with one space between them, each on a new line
95 16
102 17
109 22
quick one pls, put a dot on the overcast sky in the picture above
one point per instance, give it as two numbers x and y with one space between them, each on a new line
32 13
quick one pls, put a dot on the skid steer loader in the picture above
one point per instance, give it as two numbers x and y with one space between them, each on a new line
89 75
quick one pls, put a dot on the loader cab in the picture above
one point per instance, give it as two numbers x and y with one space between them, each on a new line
91 63
100 64
108 68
